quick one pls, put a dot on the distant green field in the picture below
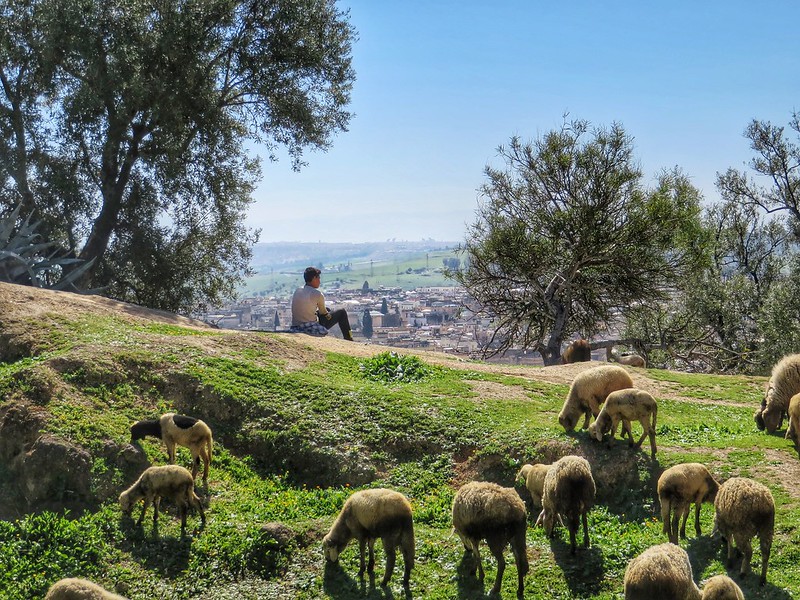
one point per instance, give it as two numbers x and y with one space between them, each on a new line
407 270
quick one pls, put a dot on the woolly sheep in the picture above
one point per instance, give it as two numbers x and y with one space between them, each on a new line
487 511
179 430
630 360
627 405
661 572
569 492
588 391
533 478
745 508
366 516
679 487
79 589
783 384
577 351
793 431
722 587
169 481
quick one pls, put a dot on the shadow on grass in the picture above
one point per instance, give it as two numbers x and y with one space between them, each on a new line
470 587
337 584
706 549
165 555
583 571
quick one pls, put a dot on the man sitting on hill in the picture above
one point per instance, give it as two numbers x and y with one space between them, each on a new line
309 314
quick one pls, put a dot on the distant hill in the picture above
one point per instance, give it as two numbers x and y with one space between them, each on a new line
407 265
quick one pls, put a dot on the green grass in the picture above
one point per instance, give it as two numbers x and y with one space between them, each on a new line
293 443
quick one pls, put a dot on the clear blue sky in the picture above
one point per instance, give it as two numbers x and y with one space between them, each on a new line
441 83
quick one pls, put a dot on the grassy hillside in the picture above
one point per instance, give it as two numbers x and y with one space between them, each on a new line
299 423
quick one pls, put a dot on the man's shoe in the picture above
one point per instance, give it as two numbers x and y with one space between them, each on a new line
349 336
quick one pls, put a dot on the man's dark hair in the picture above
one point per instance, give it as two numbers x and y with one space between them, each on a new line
310 273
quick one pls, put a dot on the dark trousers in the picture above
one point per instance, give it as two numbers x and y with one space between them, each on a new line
338 317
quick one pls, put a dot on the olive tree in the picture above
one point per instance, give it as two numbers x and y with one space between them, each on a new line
124 127
567 237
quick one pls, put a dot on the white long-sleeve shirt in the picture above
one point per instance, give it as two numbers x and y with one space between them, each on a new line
306 301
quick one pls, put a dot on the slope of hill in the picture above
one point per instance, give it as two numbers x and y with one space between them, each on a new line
297 427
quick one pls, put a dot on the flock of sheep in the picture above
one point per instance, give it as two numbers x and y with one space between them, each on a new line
565 491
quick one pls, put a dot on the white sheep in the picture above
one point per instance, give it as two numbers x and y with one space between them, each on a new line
179 430
366 516
169 481
569 492
487 511
745 508
722 587
72 588
679 487
533 478
793 431
627 405
661 572
782 385
629 360
588 391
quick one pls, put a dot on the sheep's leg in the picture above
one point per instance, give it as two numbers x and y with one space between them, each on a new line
476 552
146 501
195 465
746 549
626 430
206 465
686 508
652 433
586 415
497 545
676 522
520 559
613 432
371 563
391 557
362 546
697 518
170 451
407 547
573 530
645 431
665 516
156 503
765 540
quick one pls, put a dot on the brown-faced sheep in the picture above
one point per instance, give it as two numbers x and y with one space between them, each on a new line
721 587
679 487
661 572
569 492
745 508
577 351
169 481
793 431
588 391
79 589
630 360
486 511
783 384
627 405
179 430
366 516
533 478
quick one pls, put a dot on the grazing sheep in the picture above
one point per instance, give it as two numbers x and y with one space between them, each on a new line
533 477
722 587
366 516
631 359
782 385
793 431
627 405
486 511
745 508
169 481
577 351
589 390
679 487
569 491
79 589
661 572
179 430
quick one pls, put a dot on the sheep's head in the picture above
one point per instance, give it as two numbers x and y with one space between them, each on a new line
522 476
713 488
772 417
547 520
126 503
568 420
331 548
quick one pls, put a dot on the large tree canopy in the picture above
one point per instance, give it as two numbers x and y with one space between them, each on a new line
123 126
567 237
